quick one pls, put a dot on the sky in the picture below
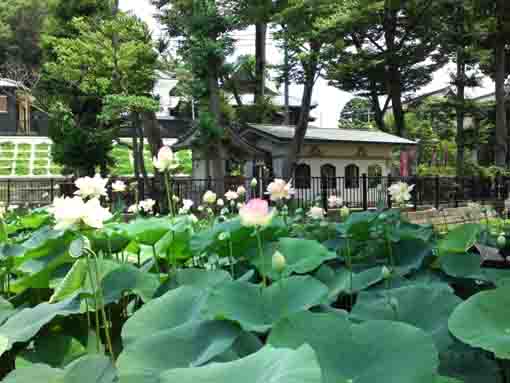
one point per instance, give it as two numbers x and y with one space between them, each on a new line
330 100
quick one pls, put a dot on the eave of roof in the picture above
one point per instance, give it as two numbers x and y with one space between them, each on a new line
313 134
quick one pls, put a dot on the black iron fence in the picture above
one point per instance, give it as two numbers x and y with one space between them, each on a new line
360 192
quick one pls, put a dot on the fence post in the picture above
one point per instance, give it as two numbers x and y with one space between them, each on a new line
8 192
52 190
365 191
436 194
386 191
415 193
455 197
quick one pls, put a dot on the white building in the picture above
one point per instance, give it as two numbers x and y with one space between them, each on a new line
333 161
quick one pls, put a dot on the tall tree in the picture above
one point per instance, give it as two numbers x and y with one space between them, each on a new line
393 49
459 43
493 22
109 58
21 25
309 39
259 13
203 28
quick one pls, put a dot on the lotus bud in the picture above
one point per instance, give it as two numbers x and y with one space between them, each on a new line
224 236
501 241
78 247
279 262
253 183
386 272
344 212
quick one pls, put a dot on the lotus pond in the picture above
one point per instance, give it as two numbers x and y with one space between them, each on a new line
363 298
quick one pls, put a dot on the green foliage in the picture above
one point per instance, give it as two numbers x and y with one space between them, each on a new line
196 298
107 68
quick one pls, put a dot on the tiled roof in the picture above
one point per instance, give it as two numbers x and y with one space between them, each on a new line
333 134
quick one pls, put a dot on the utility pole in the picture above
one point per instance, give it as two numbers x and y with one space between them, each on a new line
286 120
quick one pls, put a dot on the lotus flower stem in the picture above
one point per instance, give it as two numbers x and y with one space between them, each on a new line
261 255
155 259
103 312
168 186
349 266
231 251
94 294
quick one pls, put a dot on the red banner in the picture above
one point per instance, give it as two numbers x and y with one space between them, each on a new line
404 164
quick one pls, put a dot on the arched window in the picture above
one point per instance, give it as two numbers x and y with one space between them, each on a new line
351 177
374 175
302 176
328 176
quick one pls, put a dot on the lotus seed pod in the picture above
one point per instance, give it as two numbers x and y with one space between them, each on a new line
279 262
344 212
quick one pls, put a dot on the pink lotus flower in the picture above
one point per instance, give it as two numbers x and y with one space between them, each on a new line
255 213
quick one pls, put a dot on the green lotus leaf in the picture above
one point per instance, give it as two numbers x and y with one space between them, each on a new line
339 282
148 231
190 345
6 310
88 369
409 254
269 365
460 239
405 304
257 308
460 265
56 350
375 351
72 282
301 255
482 321
175 308
23 325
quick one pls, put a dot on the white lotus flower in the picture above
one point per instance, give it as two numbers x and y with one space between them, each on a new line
147 205
133 209
316 212
91 187
400 193
119 186
67 211
165 160
209 197
94 215
241 190
231 195
220 202
334 202
279 190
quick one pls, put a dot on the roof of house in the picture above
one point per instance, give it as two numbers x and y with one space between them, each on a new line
7 83
284 133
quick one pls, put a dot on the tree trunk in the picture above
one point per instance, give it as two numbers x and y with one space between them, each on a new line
501 129
218 169
395 91
378 113
394 84
152 131
300 133
461 84
260 62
